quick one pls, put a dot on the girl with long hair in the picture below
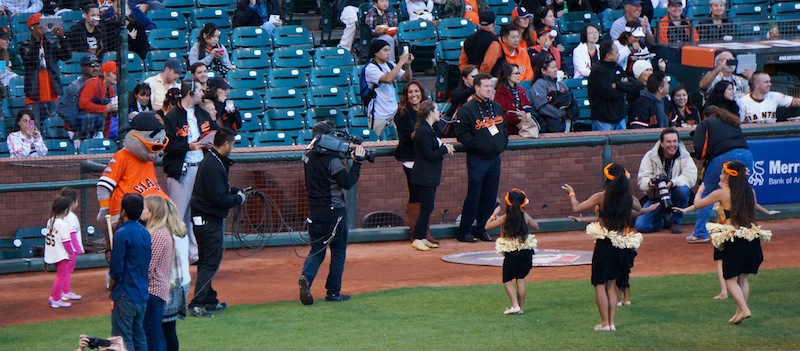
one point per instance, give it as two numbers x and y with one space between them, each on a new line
722 96
139 100
426 173
209 51
26 140
738 237
681 111
614 206
517 246
179 276
587 53
60 250
155 213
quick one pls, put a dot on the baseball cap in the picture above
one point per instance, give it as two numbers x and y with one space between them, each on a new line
109 66
174 64
675 3
146 121
522 12
34 19
640 66
486 17
218 82
633 2
4 33
89 59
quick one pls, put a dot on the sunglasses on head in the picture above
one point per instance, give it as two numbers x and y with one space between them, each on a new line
93 64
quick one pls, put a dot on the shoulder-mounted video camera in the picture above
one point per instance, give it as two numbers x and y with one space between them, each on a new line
339 142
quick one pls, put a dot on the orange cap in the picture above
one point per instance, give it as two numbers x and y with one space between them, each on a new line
34 19
109 66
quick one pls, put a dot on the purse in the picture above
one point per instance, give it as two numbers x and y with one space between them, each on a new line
529 128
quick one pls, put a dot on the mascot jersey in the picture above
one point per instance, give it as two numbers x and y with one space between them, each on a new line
124 174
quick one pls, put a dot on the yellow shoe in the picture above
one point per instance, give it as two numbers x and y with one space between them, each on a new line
429 244
419 245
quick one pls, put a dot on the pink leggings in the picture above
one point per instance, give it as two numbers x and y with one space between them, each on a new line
64 270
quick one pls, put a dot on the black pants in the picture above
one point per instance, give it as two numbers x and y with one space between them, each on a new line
484 178
209 247
427 197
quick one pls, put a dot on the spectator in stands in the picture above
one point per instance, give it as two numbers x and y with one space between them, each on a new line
624 44
475 46
544 17
160 83
10 64
545 48
507 50
675 27
641 70
717 26
136 23
761 104
98 98
383 24
724 68
681 110
139 100
512 98
199 72
723 96
80 126
10 8
26 141
40 55
171 99
383 77
146 5
523 19
649 110
87 36
633 12
266 14
606 99
586 54
348 14
552 99
227 114
469 9
210 51
460 95
419 10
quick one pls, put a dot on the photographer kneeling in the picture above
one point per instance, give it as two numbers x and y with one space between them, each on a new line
666 175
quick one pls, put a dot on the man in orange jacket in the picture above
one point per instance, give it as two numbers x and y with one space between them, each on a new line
506 49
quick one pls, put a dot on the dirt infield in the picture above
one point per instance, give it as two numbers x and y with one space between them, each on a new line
271 274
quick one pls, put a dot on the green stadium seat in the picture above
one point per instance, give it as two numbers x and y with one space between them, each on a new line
782 8
389 133
304 137
216 15
741 2
318 114
502 7
328 96
576 83
135 63
33 238
287 78
168 19
225 4
365 133
19 23
330 76
242 139
355 97
53 128
179 4
250 37
58 147
272 138
97 146
292 36
155 59
291 58
252 58
501 21
13 248
455 28
70 66
16 86
4 153
70 18
761 9
333 57
251 125
420 37
573 22
753 27
447 73
246 99
15 104
284 120
247 79
283 98
169 39
609 18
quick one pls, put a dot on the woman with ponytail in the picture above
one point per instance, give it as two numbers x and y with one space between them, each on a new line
737 238
426 174
516 245
615 206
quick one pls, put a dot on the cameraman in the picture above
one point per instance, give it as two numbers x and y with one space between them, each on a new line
669 159
327 182
114 343
724 68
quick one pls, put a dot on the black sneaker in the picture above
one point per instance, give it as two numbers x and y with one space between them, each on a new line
200 312
336 298
468 238
675 228
218 307
305 291
485 237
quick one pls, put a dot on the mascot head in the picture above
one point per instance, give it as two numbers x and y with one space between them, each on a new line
146 138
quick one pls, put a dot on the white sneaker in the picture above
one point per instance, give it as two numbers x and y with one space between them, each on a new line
58 303
70 296
429 244
419 245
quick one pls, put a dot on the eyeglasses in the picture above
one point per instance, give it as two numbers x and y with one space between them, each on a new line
94 64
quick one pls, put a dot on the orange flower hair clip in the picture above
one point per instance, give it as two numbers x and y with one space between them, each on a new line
522 205
729 171
609 176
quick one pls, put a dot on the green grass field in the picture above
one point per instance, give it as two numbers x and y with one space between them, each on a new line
668 313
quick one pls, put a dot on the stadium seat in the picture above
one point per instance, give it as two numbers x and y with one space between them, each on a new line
290 120
740 2
58 147
328 96
448 76
216 15
291 58
501 21
135 64
576 83
317 114
53 128
751 27
292 36
16 86
609 18
154 61
389 133
502 7
455 28
4 153
71 66
179 4
250 37
34 238
570 42
287 78
225 4
760 9
242 139
420 37
304 137
15 104
782 8
66 79
251 58
19 23
788 23
247 79
97 146
333 57
250 125
169 39
283 98
69 18
365 133
272 138
168 19
246 99
355 97
330 76
356 117
573 22
14 249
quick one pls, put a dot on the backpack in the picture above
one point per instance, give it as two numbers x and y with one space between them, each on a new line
67 107
368 92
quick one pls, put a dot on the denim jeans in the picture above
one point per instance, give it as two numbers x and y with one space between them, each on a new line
319 231
711 182
601 126
152 324
654 221
483 179
127 321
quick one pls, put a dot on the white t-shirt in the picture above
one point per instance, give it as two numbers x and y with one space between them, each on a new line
752 111
385 101
75 225
194 134
54 251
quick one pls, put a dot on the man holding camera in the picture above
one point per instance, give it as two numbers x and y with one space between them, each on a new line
666 174
327 182
724 68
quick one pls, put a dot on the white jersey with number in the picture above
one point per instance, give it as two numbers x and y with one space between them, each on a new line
752 111
57 234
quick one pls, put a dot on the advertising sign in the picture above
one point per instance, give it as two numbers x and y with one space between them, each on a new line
776 170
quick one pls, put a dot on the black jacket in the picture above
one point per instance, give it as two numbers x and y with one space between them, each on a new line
476 44
213 196
327 182
475 119
245 16
607 104
54 50
648 112
405 120
458 97
713 137
428 156
177 128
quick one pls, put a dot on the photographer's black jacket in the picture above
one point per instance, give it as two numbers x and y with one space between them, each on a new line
213 196
327 182
475 118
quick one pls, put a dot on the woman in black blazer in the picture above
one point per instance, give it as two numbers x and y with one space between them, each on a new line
429 151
